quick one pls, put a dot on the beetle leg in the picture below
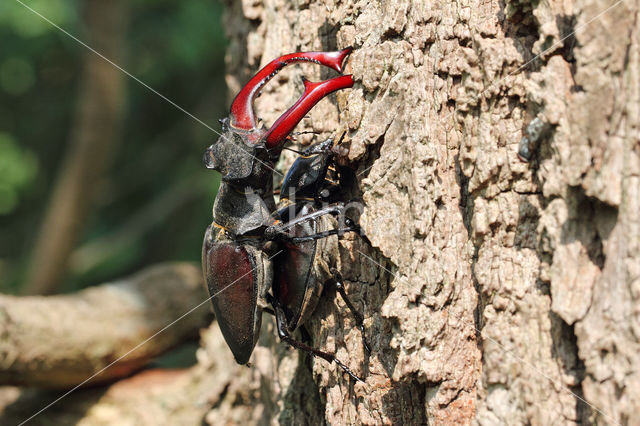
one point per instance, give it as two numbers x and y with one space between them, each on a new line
269 311
283 236
284 335
326 146
280 231
335 209
319 148
337 278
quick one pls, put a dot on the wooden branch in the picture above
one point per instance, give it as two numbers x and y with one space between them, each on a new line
149 397
60 341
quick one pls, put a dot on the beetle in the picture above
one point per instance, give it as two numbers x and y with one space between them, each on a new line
251 244
305 226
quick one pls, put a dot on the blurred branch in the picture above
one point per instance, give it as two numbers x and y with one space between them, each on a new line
60 341
150 394
149 397
94 136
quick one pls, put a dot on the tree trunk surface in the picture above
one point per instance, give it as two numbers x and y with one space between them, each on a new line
497 291
494 291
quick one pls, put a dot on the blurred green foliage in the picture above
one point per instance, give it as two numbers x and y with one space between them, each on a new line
18 169
156 200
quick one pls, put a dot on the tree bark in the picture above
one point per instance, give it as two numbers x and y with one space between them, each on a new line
496 291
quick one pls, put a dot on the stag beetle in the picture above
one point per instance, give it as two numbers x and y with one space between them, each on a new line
258 256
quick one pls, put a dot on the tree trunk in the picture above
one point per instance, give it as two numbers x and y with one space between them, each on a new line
495 291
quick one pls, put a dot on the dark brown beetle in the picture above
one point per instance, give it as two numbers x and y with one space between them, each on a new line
249 235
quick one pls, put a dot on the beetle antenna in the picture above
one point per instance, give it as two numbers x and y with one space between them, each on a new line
293 150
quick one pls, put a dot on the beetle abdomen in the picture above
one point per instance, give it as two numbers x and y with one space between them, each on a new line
235 277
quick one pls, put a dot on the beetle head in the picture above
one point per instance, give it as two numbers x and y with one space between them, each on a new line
235 156
242 142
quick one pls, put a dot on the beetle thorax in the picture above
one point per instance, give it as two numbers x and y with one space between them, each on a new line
245 198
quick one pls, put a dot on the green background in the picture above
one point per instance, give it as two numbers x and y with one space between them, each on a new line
156 198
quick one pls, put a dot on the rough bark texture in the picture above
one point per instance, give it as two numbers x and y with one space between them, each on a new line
495 291
501 291
61 341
